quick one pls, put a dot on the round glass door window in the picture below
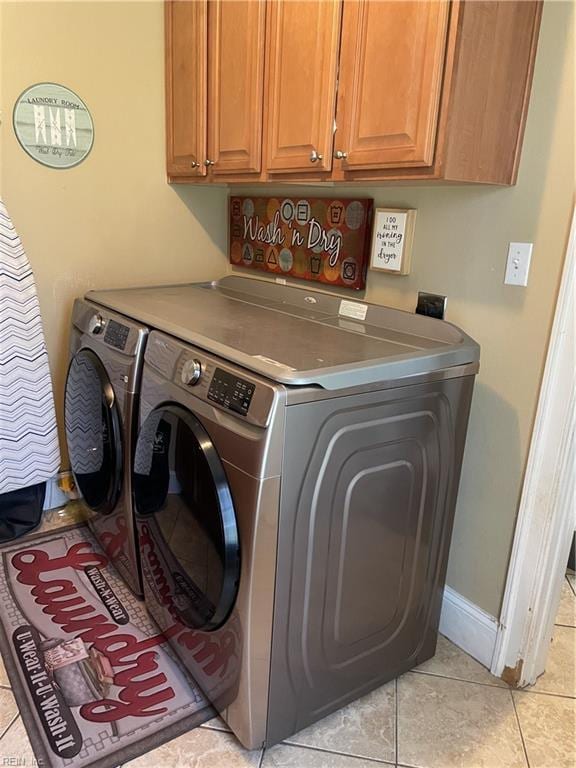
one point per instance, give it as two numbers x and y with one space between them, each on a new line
183 498
93 432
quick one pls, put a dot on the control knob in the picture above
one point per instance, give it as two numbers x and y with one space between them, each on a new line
191 372
96 324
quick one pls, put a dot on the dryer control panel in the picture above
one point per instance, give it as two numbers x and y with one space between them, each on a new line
228 390
203 376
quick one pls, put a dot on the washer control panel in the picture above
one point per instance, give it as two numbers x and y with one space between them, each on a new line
116 334
228 390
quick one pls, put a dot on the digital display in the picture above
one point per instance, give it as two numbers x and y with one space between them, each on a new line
230 391
116 334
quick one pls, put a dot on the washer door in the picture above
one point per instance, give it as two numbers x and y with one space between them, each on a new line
182 497
93 432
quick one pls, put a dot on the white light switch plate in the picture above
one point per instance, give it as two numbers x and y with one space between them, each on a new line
518 264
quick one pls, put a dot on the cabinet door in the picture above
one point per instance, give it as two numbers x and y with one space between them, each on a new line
303 42
236 31
186 38
391 66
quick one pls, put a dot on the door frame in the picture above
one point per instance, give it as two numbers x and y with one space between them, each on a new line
546 514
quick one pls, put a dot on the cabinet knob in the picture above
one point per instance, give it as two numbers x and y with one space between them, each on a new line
315 157
339 155
194 164
208 163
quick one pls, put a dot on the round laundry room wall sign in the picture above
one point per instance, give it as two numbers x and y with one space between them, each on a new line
53 125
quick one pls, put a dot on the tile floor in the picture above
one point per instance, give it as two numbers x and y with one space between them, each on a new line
448 713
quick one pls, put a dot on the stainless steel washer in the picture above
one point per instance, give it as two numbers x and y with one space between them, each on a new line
101 412
207 493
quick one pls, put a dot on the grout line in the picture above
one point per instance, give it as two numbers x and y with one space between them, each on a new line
408 765
499 687
376 760
458 679
5 731
396 720
520 730
568 626
10 724
215 728
525 691
261 761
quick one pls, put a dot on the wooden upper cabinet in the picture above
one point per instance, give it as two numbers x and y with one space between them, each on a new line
186 36
489 90
236 30
391 66
348 90
303 43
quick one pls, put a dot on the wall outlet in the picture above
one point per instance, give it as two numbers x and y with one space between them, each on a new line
518 264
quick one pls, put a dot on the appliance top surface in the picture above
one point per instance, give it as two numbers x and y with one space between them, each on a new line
295 335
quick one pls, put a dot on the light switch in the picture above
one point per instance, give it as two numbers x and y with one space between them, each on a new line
518 264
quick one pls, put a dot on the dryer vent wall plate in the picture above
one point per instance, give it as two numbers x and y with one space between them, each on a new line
431 304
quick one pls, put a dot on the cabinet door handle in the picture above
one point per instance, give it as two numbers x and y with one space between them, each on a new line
194 164
339 155
315 157
208 163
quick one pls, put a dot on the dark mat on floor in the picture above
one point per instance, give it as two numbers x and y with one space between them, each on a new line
95 683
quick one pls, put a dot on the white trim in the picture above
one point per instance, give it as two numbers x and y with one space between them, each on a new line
174 486
545 517
468 626
54 497
549 596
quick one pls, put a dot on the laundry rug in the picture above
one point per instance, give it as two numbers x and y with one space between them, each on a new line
94 681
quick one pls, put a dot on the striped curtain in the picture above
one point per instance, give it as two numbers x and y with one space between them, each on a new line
29 451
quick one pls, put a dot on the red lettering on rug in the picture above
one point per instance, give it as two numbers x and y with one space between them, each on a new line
212 653
61 600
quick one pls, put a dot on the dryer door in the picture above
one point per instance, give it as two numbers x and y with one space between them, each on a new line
183 503
93 432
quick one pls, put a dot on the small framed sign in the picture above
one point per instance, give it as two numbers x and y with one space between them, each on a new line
392 236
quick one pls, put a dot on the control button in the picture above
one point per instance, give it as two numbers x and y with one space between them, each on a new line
116 334
191 372
96 324
231 392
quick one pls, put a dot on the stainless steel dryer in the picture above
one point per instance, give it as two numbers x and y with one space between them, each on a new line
101 412
295 480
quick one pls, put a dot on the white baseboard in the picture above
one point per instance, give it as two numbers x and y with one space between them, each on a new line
55 496
468 626
174 484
